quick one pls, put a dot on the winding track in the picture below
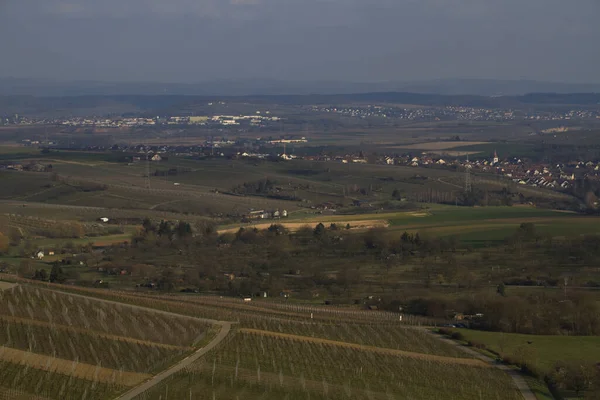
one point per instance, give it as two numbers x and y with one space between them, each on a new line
155 380
517 378
225 328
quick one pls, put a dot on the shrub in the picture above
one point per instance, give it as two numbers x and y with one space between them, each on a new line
457 336
445 331
477 345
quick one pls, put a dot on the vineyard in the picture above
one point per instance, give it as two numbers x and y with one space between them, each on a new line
267 367
77 347
122 320
30 226
276 351
385 336
27 381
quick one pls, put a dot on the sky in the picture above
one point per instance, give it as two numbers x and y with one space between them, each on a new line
300 40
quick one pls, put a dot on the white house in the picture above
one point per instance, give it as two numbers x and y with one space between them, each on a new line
40 255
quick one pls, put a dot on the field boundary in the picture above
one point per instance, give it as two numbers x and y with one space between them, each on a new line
381 350
155 380
517 378
72 368
355 224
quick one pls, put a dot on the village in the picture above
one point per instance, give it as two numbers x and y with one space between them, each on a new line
522 171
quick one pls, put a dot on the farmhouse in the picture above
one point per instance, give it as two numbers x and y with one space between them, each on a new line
40 255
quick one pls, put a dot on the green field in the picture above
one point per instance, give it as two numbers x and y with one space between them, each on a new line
544 352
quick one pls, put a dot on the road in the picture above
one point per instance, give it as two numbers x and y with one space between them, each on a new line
517 378
225 328
155 380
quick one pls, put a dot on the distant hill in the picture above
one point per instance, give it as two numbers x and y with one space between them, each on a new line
480 87
57 106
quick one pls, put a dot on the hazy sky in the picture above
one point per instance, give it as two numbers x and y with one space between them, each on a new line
357 40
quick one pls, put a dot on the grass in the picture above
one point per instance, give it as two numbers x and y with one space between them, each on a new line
539 388
544 351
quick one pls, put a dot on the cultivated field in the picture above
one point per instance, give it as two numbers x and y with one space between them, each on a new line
294 226
272 367
80 348
436 146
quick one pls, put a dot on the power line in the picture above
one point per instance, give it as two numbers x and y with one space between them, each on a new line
147 170
468 184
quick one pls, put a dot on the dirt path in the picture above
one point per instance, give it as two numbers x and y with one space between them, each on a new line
294 226
225 328
7 285
71 368
163 204
380 350
155 380
449 183
517 378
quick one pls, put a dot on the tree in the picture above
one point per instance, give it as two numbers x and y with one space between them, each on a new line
167 280
183 230
4 244
40 275
57 274
165 229
319 230
147 225
501 290
527 232
574 376
277 229
15 236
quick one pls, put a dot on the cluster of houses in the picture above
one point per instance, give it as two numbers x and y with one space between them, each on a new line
262 214
560 176
30 166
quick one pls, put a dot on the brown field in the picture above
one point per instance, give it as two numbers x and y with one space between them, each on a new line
381 350
15 394
286 381
72 368
438 145
7 285
294 226
453 153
